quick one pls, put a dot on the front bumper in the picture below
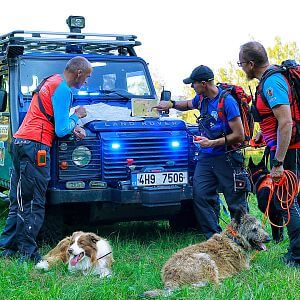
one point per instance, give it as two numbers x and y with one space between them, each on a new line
150 196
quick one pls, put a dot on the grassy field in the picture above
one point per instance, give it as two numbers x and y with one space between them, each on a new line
140 250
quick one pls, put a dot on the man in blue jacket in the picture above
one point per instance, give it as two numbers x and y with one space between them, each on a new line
217 162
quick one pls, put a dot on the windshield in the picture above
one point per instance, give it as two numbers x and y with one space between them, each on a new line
122 78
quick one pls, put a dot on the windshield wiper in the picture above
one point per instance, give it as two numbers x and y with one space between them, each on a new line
119 92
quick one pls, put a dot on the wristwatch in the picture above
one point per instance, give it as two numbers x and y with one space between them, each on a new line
276 163
173 103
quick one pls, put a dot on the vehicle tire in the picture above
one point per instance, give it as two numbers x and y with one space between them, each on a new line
52 230
185 220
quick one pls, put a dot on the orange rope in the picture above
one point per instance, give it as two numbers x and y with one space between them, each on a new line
286 190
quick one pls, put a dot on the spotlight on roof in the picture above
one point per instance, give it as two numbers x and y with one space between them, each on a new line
75 23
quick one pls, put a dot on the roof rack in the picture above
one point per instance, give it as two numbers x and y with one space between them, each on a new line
67 42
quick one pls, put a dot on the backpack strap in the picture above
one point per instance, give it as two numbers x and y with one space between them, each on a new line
40 103
221 111
264 77
202 105
221 103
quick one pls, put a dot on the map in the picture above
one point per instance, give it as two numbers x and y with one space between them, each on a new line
143 108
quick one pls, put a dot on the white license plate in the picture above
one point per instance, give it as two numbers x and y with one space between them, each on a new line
162 178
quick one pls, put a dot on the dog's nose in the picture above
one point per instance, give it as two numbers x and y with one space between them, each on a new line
70 250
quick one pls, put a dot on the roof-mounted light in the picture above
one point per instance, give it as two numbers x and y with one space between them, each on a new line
76 23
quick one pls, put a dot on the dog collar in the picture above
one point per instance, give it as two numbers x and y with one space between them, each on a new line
104 255
232 234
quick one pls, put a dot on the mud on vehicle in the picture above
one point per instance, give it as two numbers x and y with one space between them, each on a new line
127 168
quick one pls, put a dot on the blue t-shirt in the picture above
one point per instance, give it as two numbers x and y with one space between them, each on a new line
275 89
232 111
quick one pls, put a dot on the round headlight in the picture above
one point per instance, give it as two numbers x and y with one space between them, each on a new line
81 156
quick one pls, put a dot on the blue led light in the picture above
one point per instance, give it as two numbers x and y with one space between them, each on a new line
175 144
115 146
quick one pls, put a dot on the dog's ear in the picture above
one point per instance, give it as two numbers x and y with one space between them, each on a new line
74 234
93 238
239 214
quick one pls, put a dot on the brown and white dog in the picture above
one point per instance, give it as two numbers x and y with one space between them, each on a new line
222 256
84 252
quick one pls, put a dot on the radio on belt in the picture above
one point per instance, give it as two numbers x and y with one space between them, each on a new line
41 158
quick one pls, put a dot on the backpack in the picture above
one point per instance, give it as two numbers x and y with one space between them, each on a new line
243 101
290 69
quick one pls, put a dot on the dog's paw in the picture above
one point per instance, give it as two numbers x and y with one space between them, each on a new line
103 273
42 265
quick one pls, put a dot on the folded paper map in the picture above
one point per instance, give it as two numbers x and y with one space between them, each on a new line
144 108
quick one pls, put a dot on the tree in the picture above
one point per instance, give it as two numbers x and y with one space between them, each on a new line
280 52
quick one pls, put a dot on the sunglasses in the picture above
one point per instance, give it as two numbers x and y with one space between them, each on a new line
240 63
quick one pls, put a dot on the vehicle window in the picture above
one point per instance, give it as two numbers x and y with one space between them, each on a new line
114 76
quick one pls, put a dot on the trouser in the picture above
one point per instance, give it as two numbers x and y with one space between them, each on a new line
213 173
292 163
28 186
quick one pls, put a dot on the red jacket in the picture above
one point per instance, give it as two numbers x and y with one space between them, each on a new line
36 126
268 124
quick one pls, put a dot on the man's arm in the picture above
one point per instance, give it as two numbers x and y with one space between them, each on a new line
179 105
61 100
237 135
276 92
284 131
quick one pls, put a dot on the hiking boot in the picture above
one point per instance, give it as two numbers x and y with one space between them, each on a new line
7 253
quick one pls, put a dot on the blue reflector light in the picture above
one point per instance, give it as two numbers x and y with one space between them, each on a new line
175 144
115 146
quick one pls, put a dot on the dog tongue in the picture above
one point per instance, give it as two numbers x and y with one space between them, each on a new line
263 247
75 260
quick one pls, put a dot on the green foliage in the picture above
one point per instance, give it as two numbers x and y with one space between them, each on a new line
280 52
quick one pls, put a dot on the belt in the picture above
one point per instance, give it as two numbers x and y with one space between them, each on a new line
18 141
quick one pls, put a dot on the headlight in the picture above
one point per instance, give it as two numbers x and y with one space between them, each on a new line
81 156
175 144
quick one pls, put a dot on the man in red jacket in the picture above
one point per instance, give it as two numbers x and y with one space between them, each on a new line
48 115
273 106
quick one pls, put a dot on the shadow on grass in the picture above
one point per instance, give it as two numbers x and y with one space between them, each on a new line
137 230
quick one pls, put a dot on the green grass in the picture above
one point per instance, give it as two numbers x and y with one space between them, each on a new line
140 250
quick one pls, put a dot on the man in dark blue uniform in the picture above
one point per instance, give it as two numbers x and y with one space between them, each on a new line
218 163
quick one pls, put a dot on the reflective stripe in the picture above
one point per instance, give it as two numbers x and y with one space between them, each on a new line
19 195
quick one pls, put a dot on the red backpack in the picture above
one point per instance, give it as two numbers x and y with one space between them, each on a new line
291 71
243 101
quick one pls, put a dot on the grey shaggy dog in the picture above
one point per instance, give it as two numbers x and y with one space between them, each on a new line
222 256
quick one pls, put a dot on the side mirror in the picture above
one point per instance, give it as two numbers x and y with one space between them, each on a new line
165 96
3 100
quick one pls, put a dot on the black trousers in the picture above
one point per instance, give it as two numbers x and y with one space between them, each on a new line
28 187
292 163
213 173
